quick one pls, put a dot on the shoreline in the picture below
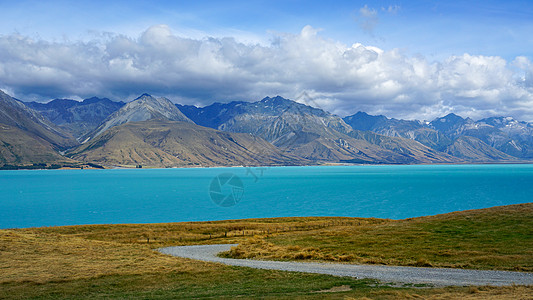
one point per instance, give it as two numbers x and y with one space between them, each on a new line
271 166
260 219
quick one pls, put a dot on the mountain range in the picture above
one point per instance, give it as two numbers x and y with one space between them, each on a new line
311 133
490 139
154 132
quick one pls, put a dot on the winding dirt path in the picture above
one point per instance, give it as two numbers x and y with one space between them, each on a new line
434 276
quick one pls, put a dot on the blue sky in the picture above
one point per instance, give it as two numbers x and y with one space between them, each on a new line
44 44
431 28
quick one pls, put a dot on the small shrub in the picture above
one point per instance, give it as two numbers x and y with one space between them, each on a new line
348 257
302 255
422 262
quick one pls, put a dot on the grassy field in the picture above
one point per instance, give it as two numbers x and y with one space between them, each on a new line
118 261
499 238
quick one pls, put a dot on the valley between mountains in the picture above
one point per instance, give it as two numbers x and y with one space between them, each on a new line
155 132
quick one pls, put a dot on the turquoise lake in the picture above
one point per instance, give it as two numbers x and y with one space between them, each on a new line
30 198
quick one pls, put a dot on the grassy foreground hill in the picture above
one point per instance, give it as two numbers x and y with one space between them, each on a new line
118 261
476 239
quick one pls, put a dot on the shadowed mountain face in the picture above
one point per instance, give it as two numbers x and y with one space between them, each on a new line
143 108
270 118
451 125
414 130
309 132
77 118
27 137
492 139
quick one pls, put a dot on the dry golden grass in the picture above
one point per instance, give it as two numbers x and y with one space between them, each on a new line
187 233
38 257
39 261
118 261
73 252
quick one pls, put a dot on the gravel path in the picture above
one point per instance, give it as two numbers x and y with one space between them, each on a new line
434 276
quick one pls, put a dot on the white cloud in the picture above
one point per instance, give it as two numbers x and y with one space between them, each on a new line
342 79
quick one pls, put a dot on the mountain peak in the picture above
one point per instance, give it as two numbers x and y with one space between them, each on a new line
450 117
363 121
280 105
275 100
361 113
450 123
63 103
144 95
144 108
96 100
366 115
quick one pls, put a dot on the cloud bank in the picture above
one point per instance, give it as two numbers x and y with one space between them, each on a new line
340 78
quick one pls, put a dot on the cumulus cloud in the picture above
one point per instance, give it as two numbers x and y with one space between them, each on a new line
340 78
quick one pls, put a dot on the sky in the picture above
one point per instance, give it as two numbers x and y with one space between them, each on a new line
415 59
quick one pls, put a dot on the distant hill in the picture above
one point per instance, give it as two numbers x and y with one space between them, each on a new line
26 137
75 117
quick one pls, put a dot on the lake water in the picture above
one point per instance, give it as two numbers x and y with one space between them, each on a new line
68 197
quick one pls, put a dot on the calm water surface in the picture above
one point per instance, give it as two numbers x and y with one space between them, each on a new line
68 197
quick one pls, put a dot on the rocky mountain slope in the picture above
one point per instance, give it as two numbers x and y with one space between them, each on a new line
310 132
493 139
75 117
26 137
512 137
165 143
153 132
143 108
472 149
